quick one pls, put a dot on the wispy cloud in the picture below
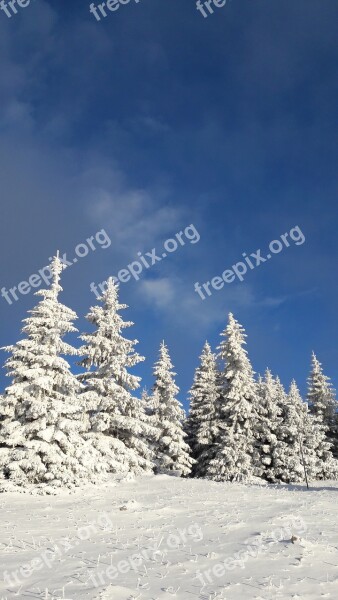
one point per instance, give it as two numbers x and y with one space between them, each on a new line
159 292
136 218
175 299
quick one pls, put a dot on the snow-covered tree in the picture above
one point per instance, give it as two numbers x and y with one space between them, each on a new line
270 411
172 452
146 400
234 455
201 422
288 460
322 401
43 421
302 432
121 430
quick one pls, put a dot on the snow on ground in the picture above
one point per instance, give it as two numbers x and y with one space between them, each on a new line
162 538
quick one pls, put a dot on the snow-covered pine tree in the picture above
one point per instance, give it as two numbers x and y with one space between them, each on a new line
234 455
318 448
146 401
280 449
300 428
121 430
172 452
201 422
287 456
281 395
322 402
270 411
43 422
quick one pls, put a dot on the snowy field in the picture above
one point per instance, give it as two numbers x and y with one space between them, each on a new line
161 538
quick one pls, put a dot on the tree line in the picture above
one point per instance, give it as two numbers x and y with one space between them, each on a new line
60 429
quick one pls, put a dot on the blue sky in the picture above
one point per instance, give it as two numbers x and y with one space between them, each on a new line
155 118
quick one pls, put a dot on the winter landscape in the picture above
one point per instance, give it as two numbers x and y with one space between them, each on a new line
168 300
164 538
184 485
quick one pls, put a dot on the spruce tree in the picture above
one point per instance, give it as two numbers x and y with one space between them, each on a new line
322 402
172 452
288 460
270 411
201 422
233 456
43 421
121 430
301 432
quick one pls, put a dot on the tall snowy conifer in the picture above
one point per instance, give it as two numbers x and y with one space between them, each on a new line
121 430
288 460
322 402
42 419
234 455
201 422
172 452
270 411
302 431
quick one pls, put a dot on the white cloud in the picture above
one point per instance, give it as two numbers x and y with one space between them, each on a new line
159 292
136 218
177 300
